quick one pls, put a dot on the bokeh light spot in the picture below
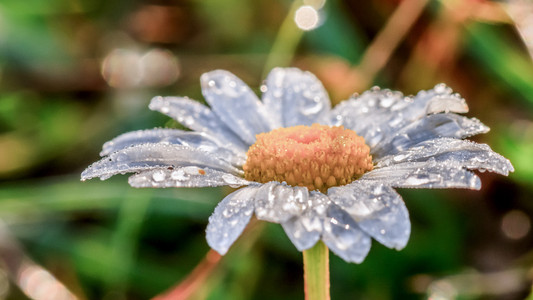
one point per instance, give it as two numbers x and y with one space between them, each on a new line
306 17
160 68
124 68
121 68
515 224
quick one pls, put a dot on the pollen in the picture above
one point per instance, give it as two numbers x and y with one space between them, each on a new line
317 157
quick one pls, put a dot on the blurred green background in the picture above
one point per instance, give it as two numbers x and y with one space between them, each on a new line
76 73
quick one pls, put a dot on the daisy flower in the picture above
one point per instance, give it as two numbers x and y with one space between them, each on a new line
322 173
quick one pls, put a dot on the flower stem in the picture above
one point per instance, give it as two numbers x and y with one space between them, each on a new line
286 42
316 272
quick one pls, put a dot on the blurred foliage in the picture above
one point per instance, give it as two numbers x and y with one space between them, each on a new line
105 240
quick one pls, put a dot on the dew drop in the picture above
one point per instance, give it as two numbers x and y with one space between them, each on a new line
386 102
440 88
230 180
413 181
399 157
158 176
191 170
121 157
179 175
226 213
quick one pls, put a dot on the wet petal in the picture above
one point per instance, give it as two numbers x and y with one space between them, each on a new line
154 156
459 153
190 176
377 114
235 104
199 118
196 140
230 218
300 235
374 106
377 209
296 97
277 202
439 99
427 128
342 235
304 230
427 174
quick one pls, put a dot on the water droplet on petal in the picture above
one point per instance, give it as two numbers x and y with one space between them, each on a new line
226 213
191 170
440 88
179 175
158 176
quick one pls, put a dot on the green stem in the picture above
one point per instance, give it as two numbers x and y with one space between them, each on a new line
287 40
124 241
316 272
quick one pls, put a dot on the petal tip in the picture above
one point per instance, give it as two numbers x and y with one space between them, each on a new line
156 103
207 76
509 167
86 174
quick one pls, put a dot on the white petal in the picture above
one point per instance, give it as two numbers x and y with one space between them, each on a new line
199 118
196 140
377 209
304 230
235 104
427 128
342 235
277 202
378 114
190 176
461 153
230 218
439 99
302 237
154 156
296 97
371 106
427 174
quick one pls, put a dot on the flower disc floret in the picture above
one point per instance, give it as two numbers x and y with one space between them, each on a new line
317 157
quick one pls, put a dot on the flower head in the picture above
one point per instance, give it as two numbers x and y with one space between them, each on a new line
323 174
317 157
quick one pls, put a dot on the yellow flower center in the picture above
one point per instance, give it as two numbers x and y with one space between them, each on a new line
317 157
